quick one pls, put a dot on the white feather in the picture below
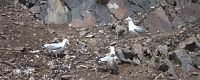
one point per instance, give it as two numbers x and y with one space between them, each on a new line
133 28
108 57
56 47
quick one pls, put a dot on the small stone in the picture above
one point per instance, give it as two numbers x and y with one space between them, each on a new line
21 23
89 36
195 73
81 44
36 51
82 79
113 43
31 78
19 48
101 31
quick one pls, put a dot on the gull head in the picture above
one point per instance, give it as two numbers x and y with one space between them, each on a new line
65 41
112 50
128 19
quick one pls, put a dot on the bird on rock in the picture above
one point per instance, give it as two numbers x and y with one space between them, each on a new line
109 56
133 28
56 47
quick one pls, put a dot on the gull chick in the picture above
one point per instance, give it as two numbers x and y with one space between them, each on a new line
56 47
120 28
133 28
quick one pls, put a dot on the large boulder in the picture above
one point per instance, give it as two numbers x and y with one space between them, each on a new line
158 21
57 14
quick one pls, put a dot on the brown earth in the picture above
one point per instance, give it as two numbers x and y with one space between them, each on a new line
20 34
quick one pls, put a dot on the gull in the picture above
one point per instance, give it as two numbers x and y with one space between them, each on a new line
109 56
56 47
133 28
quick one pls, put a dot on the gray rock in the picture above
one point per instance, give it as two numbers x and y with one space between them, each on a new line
171 70
73 3
185 59
57 14
190 44
160 21
138 49
81 44
35 9
162 51
102 15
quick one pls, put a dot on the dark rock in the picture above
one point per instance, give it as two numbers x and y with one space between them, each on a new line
160 23
102 2
147 52
126 56
190 44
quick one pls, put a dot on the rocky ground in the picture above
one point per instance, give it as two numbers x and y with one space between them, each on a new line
173 55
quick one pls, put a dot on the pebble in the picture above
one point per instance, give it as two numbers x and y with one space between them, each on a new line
19 48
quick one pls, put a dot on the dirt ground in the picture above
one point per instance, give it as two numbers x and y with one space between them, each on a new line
21 34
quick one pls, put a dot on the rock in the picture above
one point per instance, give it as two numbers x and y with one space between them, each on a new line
190 12
66 77
160 23
147 52
196 58
191 44
81 44
102 15
51 64
185 59
82 78
82 15
138 49
73 3
118 8
171 70
162 51
198 37
147 4
177 22
89 36
19 48
57 14
35 9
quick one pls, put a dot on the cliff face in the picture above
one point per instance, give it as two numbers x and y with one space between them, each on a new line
153 14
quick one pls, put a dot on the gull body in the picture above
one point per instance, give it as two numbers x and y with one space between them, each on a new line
56 47
109 56
133 28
